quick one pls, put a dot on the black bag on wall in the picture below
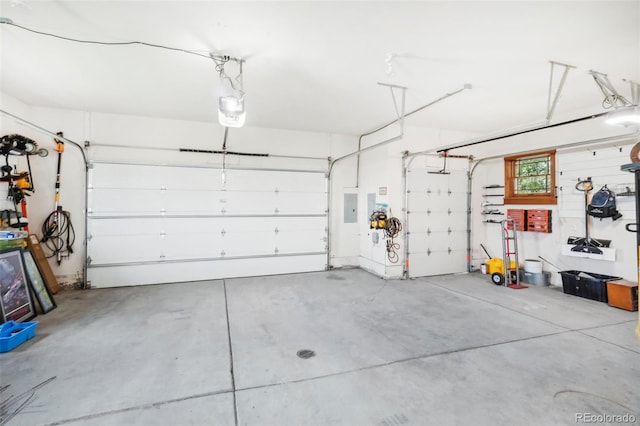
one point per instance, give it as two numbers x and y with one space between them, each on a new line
603 205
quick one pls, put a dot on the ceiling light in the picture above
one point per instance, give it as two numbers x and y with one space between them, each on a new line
624 116
231 112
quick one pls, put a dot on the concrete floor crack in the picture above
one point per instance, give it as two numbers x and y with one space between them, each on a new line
233 379
137 407
402 361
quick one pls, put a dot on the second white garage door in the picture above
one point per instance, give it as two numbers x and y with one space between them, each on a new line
437 221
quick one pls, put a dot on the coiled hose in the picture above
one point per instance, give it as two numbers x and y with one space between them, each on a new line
391 230
58 234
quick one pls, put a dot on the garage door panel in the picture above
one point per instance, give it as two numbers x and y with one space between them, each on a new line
438 220
437 262
125 201
124 248
308 240
435 241
191 201
437 223
458 202
125 176
424 204
191 215
274 181
165 272
302 203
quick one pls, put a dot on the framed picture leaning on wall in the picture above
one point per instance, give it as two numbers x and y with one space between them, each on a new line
40 290
15 297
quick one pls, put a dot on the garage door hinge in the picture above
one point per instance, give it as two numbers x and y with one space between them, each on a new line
89 237
276 251
428 231
449 250
449 212
223 232
276 211
89 260
428 252
222 210
276 230
222 253
428 211
277 191
449 230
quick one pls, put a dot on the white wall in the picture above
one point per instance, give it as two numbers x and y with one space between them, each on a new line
600 161
379 168
167 136
345 249
382 168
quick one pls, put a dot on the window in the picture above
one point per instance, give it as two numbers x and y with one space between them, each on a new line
530 178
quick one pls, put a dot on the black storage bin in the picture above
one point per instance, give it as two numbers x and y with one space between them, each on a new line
586 284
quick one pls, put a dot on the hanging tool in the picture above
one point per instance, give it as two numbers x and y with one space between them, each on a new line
586 244
20 183
392 228
58 234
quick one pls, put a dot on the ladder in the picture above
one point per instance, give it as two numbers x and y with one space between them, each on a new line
509 249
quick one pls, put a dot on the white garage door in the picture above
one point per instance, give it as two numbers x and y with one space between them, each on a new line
437 221
157 224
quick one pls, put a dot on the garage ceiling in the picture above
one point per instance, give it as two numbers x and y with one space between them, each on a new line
315 65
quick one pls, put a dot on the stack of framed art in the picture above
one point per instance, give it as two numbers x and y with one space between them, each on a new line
22 281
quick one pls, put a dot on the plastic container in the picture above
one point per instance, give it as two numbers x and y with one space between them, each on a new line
586 284
13 334
541 278
533 266
12 239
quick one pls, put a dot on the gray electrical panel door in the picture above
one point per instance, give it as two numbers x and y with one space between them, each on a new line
350 208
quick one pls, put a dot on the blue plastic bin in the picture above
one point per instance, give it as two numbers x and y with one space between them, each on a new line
13 334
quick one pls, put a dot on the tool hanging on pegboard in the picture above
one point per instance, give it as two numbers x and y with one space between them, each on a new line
20 184
58 234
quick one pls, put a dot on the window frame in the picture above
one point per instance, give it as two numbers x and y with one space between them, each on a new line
510 197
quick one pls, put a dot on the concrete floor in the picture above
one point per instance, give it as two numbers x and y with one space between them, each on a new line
452 350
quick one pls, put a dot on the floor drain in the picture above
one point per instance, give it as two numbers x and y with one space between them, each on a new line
306 353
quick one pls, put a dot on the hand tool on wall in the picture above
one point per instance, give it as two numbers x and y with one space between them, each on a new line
58 234
20 184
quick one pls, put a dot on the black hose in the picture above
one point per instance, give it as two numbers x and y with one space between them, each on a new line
58 238
391 230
